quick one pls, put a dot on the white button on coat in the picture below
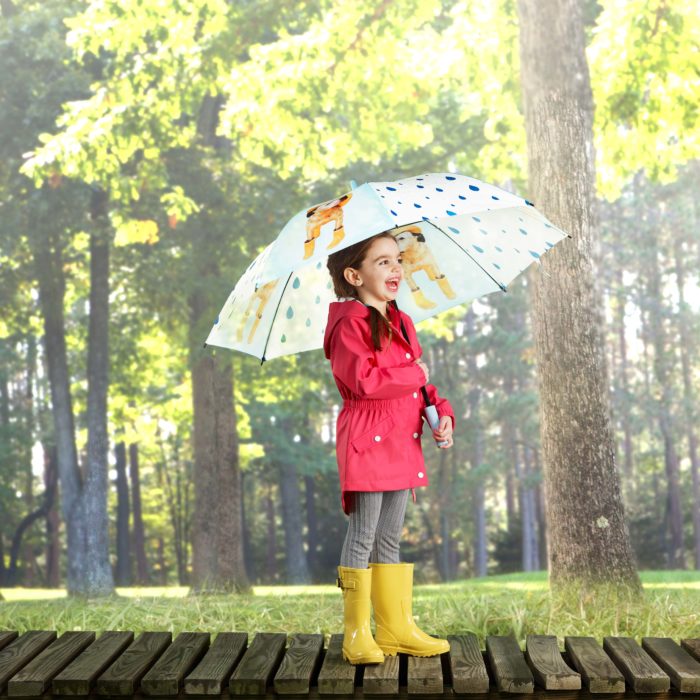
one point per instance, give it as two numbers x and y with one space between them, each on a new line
377 437
415 394
408 355
420 475
415 434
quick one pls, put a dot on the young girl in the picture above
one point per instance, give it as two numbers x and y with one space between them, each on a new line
379 375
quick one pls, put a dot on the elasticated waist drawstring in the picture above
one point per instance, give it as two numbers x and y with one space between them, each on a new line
383 404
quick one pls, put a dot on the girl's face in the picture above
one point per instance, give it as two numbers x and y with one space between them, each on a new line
380 274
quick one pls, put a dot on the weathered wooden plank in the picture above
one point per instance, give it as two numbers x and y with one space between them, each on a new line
258 665
36 676
467 667
382 679
20 652
167 674
125 674
692 646
681 667
507 662
211 675
549 669
640 671
6 638
424 675
337 676
78 677
301 660
598 672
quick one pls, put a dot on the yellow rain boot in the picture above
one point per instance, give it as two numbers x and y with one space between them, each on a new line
392 599
421 300
359 646
446 287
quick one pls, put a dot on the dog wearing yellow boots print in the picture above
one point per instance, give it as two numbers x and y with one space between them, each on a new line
319 216
417 256
260 298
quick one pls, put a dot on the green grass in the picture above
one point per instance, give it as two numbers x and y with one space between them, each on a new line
520 604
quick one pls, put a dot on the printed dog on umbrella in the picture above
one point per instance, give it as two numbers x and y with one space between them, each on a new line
260 298
417 256
319 216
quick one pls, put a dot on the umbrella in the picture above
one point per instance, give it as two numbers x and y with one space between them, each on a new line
460 238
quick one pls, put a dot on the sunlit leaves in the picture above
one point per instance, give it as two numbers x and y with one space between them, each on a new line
645 72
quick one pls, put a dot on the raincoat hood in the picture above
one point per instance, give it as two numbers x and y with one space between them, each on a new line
341 309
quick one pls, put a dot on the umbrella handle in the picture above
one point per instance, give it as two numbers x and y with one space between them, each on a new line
434 421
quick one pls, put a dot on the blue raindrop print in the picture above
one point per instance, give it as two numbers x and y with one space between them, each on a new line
296 284
484 231
461 196
391 189
450 177
450 213
283 339
523 231
290 312
453 229
425 218
216 321
534 254
493 196
318 299
420 187
318 265
417 206
476 218
308 322
500 250
476 247
393 212
549 225
328 284
473 188
549 245
496 265
439 189
516 250
530 204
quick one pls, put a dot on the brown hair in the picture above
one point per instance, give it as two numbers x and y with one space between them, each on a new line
353 256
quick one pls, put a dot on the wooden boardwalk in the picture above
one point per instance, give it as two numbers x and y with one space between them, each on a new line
152 664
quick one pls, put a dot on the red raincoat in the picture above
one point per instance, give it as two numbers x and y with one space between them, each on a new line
378 433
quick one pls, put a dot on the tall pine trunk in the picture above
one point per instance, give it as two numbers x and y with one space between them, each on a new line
588 538
139 537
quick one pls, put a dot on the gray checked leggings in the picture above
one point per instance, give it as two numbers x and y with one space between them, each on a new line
374 530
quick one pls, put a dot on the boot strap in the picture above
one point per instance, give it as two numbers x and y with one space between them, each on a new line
350 585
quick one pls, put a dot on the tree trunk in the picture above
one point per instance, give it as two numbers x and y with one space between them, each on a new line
297 567
97 578
123 573
49 273
687 358
142 574
588 538
662 372
217 534
53 542
311 520
271 551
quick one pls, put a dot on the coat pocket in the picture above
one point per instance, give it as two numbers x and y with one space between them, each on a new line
376 436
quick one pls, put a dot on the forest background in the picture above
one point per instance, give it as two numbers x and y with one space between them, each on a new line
151 149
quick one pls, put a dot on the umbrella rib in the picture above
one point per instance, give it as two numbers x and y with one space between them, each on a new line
501 286
274 316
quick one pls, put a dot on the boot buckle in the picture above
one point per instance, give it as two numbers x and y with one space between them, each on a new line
343 585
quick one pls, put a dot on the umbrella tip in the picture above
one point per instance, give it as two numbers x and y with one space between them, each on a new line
262 360
353 185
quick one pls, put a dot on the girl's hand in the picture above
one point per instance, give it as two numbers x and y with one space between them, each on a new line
444 432
425 369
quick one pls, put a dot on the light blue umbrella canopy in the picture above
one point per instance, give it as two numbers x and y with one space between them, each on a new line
460 238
